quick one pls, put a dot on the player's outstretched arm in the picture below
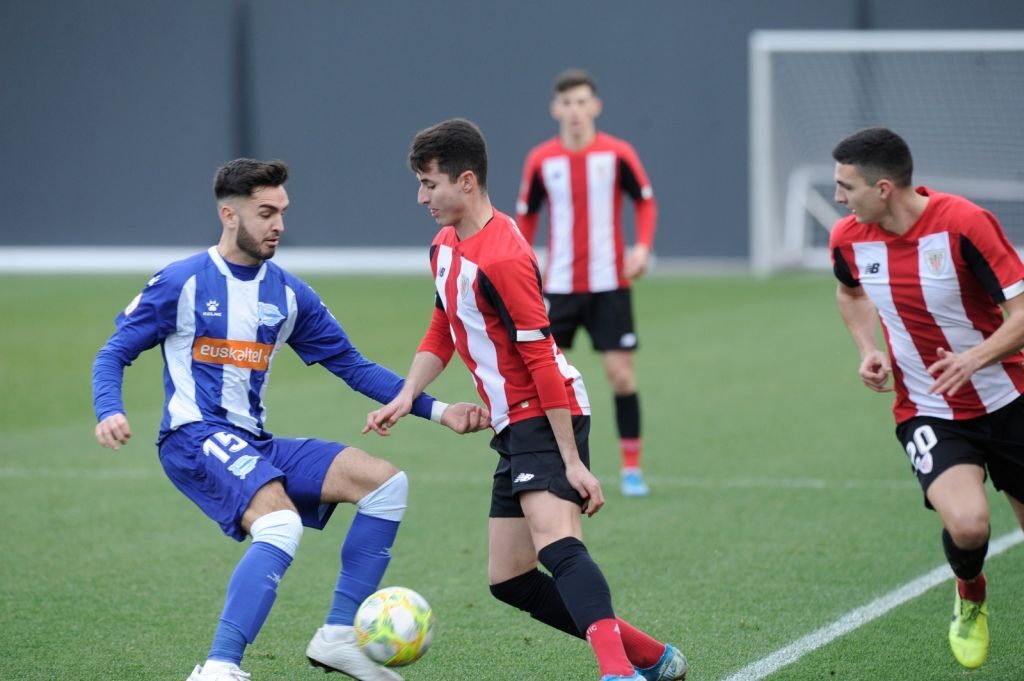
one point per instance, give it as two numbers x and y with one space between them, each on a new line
113 431
424 369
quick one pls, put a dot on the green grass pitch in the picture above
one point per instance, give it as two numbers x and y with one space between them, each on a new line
780 500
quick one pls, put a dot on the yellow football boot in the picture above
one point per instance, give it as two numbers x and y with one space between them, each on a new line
968 632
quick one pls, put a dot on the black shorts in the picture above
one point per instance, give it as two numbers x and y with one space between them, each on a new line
607 317
530 460
994 441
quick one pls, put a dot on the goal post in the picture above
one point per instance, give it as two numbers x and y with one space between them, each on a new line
957 97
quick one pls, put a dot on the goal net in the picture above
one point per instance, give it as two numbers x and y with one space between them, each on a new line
957 97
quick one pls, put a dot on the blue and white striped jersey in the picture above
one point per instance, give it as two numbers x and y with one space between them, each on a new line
220 331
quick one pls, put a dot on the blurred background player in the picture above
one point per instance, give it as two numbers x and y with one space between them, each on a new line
937 268
220 316
584 174
488 306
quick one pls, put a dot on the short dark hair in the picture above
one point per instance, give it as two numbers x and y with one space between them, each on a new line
571 78
456 144
244 175
877 153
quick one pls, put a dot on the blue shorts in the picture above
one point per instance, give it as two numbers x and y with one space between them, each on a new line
221 469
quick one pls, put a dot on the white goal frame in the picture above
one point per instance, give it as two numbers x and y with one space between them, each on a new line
779 207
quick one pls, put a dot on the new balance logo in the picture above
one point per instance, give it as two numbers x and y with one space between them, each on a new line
524 477
873 268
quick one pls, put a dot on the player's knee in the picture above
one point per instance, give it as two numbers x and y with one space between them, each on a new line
966 561
969 530
622 379
388 501
281 529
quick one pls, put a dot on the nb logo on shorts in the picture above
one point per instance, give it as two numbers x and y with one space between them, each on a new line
523 477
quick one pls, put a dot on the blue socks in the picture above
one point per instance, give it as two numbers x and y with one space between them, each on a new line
365 556
253 586
251 593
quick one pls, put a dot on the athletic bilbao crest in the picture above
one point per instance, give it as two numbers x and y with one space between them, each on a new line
936 261
464 285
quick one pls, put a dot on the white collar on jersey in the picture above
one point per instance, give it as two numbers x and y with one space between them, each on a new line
218 260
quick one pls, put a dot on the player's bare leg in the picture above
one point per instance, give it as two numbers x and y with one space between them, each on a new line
510 550
621 373
556 532
958 495
354 474
515 579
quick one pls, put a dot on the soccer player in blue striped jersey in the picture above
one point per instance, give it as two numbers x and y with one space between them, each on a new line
220 317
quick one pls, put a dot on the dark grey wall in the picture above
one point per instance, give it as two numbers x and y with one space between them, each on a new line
114 113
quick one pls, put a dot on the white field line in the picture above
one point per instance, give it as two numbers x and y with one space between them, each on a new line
861 616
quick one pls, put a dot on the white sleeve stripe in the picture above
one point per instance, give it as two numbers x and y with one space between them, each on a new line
529 335
1013 290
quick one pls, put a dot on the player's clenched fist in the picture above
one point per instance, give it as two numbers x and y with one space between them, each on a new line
466 417
113 431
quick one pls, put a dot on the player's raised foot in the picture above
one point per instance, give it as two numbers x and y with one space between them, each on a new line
220 672
632 481
671 667
341 653
968 632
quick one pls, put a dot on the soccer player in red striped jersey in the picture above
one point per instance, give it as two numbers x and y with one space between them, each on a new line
584 174
489 308
936 269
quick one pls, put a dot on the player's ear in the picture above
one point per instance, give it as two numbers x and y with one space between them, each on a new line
884 187
467 180
228 214
598 106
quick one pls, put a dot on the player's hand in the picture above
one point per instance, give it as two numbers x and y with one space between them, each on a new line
466 417
113 431
588 486
951 371
875 370
637 259
381 420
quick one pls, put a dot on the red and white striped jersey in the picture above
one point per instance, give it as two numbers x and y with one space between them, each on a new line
937 285
584 190
488 306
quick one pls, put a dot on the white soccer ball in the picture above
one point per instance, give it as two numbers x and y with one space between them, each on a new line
395 626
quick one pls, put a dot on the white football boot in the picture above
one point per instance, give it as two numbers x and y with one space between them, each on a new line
231 673
344 655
